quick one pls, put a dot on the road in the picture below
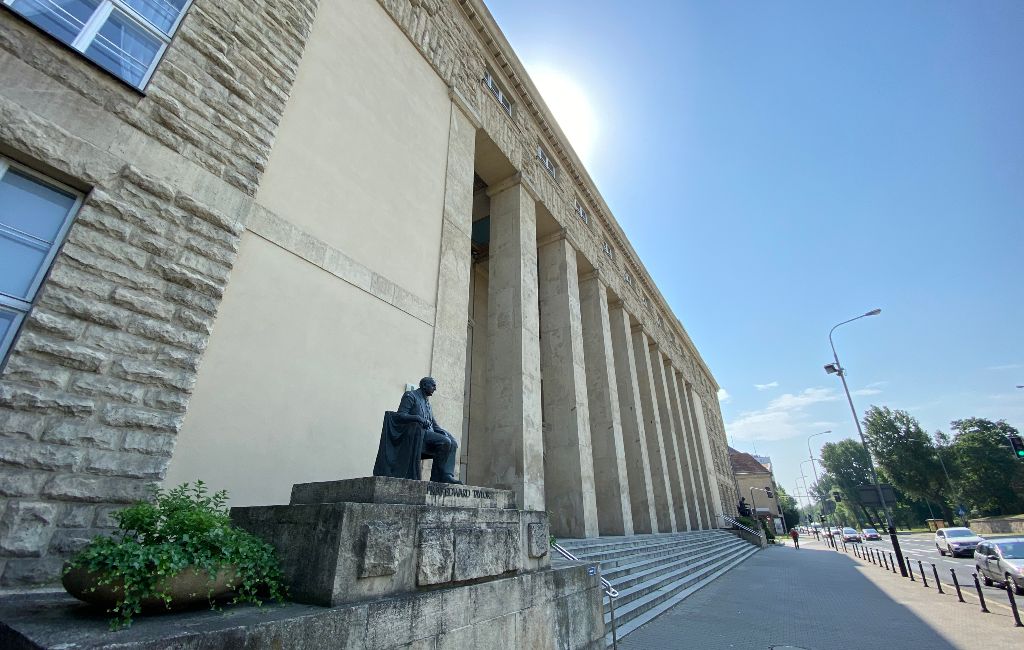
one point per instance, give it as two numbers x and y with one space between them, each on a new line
921 547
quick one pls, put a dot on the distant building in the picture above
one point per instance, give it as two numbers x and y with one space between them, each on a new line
755 472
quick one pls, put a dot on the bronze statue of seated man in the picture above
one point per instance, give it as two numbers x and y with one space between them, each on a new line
411 434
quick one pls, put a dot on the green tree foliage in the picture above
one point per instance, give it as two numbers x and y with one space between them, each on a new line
987 476
906 452
790 513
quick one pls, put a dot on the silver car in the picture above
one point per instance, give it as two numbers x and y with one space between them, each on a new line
956 541
1002 560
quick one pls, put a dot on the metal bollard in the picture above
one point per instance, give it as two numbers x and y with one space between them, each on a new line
956 583
886 560
981 595
858 554
1013 604
910 567
924 579
938 583
892 562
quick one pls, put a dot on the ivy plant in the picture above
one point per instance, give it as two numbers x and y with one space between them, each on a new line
180 528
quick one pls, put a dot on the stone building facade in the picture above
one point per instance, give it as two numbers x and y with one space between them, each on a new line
281 213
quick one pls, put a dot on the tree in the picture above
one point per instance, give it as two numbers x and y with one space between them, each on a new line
907 454
790 512
849 463
988 477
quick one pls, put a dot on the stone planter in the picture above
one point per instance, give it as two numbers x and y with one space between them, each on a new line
190 588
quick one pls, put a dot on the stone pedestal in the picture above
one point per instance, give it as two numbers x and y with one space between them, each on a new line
346 541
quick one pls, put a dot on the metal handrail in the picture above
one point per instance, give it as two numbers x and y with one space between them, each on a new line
608 588
729 520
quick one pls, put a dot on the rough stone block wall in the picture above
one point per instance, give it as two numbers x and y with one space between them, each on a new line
96 387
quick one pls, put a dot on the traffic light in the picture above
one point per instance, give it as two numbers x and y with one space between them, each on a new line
1018 445
768 491
838 497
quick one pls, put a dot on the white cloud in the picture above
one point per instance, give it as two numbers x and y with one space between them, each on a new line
723 395
773 384
785 416
866 391
1008 366
876 384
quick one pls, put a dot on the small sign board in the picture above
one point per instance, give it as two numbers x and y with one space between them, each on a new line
592 570
868 495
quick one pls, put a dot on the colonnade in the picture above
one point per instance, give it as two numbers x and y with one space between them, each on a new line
612 441
579 410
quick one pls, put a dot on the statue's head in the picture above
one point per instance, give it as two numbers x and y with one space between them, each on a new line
428 386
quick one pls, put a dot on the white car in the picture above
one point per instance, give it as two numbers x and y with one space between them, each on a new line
956 541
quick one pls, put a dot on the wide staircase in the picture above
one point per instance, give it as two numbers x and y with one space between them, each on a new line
654 572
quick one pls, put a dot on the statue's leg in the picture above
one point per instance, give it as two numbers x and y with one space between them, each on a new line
436 447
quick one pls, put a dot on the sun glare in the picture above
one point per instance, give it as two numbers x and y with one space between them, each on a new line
570 106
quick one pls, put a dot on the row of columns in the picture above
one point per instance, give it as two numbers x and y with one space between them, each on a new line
615 442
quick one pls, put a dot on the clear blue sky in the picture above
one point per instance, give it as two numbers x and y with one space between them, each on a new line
783 166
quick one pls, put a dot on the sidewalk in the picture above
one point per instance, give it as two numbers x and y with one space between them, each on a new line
819 599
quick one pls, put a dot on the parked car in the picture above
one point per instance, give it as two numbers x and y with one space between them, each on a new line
1001 560
871 533
851 535
956 541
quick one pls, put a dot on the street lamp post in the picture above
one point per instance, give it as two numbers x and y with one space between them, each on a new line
816 479
837 369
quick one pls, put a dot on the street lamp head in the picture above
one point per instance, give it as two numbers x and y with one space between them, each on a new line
874 312
832 368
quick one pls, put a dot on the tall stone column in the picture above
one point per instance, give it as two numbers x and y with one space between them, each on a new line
716 495
702 472
634 443
448 355
693 492
568 458
611 483
516 457
673 454
652 427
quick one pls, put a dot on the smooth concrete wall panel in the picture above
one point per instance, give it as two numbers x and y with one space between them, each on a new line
716 496
360 158
673 455
293 385
634 440
611 484
568 454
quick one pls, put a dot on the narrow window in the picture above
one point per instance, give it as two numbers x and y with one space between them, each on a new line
124 37
498 92
607 248
545 161
581 212
34 217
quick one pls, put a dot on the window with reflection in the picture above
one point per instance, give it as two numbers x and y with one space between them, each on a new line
35 214
125 37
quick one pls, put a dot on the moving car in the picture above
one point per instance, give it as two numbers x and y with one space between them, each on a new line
956 541
851 535
870 533
1002 560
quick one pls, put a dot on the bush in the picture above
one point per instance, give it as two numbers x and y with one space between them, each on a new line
180 528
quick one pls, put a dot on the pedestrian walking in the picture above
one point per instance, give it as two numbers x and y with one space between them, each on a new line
795 534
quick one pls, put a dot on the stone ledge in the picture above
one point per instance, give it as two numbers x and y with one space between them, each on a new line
558 608
380 489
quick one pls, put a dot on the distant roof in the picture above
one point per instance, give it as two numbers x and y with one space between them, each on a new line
744 463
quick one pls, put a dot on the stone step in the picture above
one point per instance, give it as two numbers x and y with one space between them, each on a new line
632 540
656 578
603 552
617 565
646 570
656 603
